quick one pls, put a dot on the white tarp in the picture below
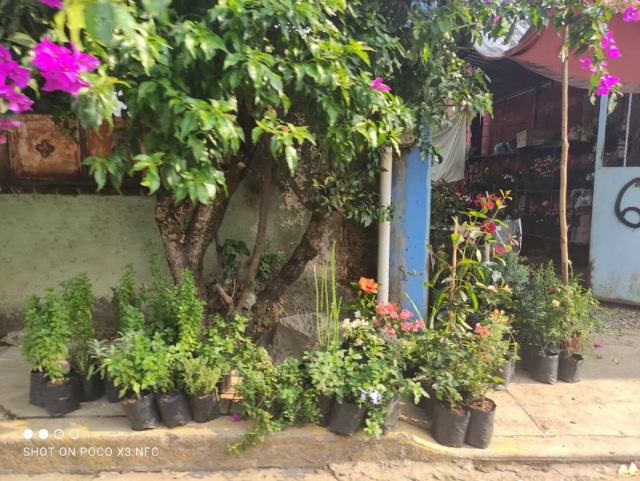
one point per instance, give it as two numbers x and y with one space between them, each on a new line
452 143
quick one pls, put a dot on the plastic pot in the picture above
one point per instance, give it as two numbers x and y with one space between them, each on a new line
113 392
174 409
346 418
325 404
61 398
36 391
449 428
142 413
393 414
204 408
570 367
480 430
505 372
428 403
546 367
89 389
224 384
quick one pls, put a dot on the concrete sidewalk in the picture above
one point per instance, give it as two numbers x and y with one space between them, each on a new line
595 421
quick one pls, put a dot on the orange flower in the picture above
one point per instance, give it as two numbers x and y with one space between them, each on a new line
368 285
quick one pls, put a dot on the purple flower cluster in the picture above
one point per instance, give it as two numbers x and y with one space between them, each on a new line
374 396
60 67
13 78
608 43
631 15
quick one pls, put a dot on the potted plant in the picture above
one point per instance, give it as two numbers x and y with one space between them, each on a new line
579 308
169 383
489 348
452 369
78 301
33 347
99 351
137 365
200 383
60 392
542 323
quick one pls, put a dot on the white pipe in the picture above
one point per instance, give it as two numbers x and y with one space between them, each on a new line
384 228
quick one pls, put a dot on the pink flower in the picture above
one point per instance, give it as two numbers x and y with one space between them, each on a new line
7 123
481 330
496 19
236 417
16 101
420 324
585 63
60 66
500 250
3 139
52 3
597 345
606 83
405 314
378 85
614 52
607 41
631 15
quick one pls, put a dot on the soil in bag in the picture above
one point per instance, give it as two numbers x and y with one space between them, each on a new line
449 428
89 389
174 409
346 418
546 367
61 398
204 408
36 389
570 368
142 413
480 429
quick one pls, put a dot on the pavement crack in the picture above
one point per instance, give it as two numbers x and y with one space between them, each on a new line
527 413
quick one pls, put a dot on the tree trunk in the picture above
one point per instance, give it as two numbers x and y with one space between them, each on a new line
258 248
564 238
187 230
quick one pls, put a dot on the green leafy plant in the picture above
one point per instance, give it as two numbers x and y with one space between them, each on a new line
270 263
80 356
580 310
160 300
125 294
137 364
232 251
189 313
224 343
200 377
46 334
131 319
78 300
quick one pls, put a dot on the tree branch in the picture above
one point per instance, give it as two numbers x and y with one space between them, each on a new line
299 194
259 246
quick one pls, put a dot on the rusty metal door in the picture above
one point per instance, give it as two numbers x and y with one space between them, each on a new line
615 225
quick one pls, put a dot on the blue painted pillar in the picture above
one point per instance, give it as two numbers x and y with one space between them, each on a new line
411 199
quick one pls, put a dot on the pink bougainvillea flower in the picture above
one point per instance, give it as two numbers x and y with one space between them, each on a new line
496 19
378 85
585 63
597 345
16 102
606 84
7 123
236 417
405 314
52 3
60 66
3 139
614 52
631 15
607 41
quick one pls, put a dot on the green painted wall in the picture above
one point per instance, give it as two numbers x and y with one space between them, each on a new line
45 239
48 238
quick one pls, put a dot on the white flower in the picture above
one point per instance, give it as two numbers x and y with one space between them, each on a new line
556 303
357 314
346 323
358 342
364 323
356 323
496 276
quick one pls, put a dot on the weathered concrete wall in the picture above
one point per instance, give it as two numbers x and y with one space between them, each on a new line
48 238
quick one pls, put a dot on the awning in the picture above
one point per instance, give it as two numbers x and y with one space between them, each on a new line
540 53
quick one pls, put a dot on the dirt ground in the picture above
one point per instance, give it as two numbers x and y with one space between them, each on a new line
396 471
